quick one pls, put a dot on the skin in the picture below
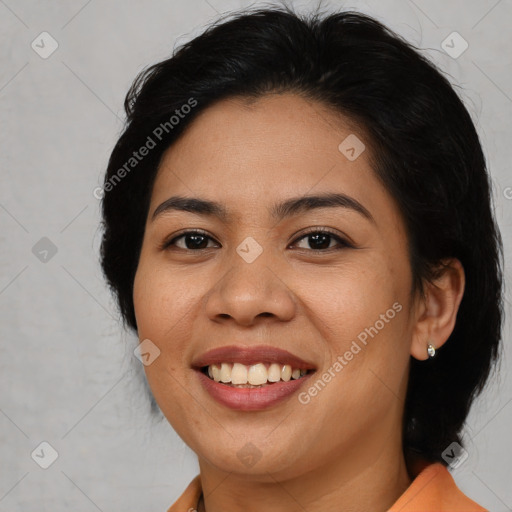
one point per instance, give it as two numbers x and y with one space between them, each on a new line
343 449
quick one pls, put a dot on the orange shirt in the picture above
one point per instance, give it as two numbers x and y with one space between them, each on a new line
433 490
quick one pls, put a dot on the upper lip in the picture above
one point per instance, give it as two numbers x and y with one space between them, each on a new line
251 355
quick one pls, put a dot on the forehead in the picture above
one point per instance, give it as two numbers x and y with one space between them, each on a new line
255 130
246 153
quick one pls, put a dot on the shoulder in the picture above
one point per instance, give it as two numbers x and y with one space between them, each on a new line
434 489
187 502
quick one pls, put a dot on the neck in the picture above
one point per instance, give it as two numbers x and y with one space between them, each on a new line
349 481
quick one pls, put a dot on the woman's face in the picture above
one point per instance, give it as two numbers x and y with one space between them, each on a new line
256 278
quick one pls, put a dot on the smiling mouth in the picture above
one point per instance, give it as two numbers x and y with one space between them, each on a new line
258 375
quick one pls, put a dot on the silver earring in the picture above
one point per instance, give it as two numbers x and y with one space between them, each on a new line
431 350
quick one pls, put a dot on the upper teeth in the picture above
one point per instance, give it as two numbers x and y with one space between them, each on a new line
254 374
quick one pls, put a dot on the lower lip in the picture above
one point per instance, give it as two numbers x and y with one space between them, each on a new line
251 399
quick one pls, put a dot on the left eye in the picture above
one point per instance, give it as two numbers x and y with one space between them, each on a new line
319 240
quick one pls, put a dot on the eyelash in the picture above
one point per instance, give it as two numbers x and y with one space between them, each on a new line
342 243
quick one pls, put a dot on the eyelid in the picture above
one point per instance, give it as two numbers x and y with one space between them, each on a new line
343 240
195 231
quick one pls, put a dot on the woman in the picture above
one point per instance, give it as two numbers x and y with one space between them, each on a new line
297 225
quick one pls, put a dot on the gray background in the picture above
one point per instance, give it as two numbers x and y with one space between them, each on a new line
68 375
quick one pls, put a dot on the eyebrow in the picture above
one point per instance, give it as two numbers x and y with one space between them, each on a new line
279 211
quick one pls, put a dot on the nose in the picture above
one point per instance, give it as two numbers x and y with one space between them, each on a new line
249 291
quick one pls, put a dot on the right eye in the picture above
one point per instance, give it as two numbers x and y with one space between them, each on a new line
193 241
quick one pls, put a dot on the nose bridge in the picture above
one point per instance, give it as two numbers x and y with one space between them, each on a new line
250 286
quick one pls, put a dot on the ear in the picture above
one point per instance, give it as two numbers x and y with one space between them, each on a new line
436 310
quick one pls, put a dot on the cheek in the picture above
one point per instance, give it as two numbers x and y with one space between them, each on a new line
161 306
160 299
349 298
360 311
162 309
